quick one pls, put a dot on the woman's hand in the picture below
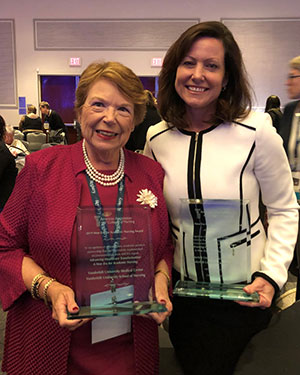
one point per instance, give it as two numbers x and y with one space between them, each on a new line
61 296
62 299
162 297
265 290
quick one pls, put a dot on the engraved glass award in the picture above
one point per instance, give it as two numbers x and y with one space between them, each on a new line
114 263
215 249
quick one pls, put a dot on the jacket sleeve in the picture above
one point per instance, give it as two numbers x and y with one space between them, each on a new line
273 173
13 236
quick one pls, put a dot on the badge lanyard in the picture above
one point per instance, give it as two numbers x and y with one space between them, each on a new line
111 245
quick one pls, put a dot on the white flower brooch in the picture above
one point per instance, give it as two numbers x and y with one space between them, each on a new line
146 196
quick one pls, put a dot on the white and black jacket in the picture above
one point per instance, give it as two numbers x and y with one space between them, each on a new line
233 161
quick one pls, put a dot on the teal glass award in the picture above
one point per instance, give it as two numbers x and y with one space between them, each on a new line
215 249
114 263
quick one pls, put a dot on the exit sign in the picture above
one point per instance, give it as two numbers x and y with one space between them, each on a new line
157 61
75 61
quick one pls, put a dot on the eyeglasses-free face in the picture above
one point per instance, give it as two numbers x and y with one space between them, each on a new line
293 84
106 120
200 77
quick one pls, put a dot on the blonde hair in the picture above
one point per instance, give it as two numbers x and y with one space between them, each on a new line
31 109
124 78
295 63
44 104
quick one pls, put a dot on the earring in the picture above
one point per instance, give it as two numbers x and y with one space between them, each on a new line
223 88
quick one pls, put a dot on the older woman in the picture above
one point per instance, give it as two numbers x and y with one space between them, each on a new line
212 146
38 237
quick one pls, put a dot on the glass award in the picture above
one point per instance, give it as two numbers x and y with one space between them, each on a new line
215 249
114 273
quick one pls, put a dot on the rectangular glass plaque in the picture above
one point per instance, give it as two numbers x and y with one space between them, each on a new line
114 276
215 249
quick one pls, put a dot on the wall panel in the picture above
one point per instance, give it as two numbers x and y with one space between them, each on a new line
8 97
267 46
112 34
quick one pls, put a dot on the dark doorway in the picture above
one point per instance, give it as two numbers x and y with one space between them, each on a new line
151 84
59 92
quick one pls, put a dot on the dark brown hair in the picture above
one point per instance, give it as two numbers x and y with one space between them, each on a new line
272 102
234 102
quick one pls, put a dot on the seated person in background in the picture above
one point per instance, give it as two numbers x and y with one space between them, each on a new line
15 146
138 136
49 115
273 109
56 123
31 120
8 170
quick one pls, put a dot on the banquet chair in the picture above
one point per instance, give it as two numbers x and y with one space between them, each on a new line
25 143
57 136
28 131
35 141
18 135
46 145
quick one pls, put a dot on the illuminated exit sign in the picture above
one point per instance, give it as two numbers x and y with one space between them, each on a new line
75 61
157 61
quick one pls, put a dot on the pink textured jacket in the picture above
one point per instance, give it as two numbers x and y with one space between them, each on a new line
38 220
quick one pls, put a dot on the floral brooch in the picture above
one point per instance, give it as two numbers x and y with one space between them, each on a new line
146 196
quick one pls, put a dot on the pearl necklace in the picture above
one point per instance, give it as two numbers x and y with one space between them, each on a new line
104 179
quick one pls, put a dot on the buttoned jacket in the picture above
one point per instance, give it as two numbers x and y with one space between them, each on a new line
38 221
234 161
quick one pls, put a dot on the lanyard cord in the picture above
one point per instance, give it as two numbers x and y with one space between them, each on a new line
111 245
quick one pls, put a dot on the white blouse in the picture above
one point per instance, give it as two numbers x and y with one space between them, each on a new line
232 161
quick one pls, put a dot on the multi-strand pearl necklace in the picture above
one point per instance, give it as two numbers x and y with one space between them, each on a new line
104 179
